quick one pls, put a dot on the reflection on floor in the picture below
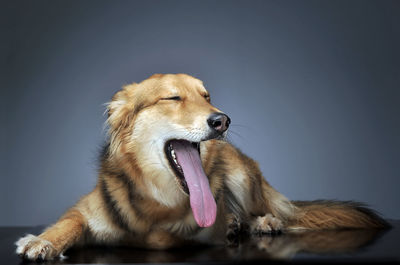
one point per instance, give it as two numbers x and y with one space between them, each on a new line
323 246
282 247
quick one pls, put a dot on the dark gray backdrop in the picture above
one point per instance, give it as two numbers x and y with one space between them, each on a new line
312 88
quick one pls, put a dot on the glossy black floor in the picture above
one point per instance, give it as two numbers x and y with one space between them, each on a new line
347 246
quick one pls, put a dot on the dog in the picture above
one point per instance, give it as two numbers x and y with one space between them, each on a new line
168 178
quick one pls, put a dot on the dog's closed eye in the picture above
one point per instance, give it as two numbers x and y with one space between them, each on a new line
173 98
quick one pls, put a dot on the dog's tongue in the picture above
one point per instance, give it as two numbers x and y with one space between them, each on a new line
201 199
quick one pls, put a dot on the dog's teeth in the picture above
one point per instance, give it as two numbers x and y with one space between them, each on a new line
173 153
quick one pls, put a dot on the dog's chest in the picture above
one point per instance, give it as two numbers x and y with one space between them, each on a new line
185 226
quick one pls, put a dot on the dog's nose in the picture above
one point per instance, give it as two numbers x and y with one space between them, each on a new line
219 122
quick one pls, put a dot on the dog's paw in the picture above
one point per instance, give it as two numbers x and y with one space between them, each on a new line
35 248
267 224
233 230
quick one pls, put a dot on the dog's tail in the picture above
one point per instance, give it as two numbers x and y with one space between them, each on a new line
324 214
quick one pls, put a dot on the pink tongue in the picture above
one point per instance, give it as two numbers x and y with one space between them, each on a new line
201 199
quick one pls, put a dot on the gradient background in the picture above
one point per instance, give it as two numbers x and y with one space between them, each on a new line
312 87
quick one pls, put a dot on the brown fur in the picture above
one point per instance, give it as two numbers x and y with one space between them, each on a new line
138 202
335 215
66 231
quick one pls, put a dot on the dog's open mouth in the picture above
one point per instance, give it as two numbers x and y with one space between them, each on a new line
184 158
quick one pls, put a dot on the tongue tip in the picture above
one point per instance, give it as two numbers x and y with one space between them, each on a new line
208 224
205 223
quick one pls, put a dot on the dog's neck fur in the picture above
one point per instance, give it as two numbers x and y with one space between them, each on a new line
152 173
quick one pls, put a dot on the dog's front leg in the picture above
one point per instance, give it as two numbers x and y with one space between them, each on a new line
234 227
55 239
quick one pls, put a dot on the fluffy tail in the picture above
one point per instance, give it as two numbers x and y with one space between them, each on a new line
322 214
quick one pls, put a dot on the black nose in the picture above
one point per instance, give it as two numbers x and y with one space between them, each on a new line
219 122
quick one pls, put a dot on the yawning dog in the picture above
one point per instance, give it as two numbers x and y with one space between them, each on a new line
168 177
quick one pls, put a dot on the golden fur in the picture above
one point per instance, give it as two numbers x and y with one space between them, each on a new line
138 202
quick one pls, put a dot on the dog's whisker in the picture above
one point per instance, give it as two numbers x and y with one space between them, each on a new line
240 125
235 133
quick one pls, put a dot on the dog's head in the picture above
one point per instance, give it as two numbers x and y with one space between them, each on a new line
161 122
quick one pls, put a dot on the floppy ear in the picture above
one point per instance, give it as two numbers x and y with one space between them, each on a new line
120 117
117 102
121 108
117 108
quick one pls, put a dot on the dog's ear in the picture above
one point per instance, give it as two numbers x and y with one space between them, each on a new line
121 108
120 112
117 102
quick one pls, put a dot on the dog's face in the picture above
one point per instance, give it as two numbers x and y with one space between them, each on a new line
161 122
178 107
